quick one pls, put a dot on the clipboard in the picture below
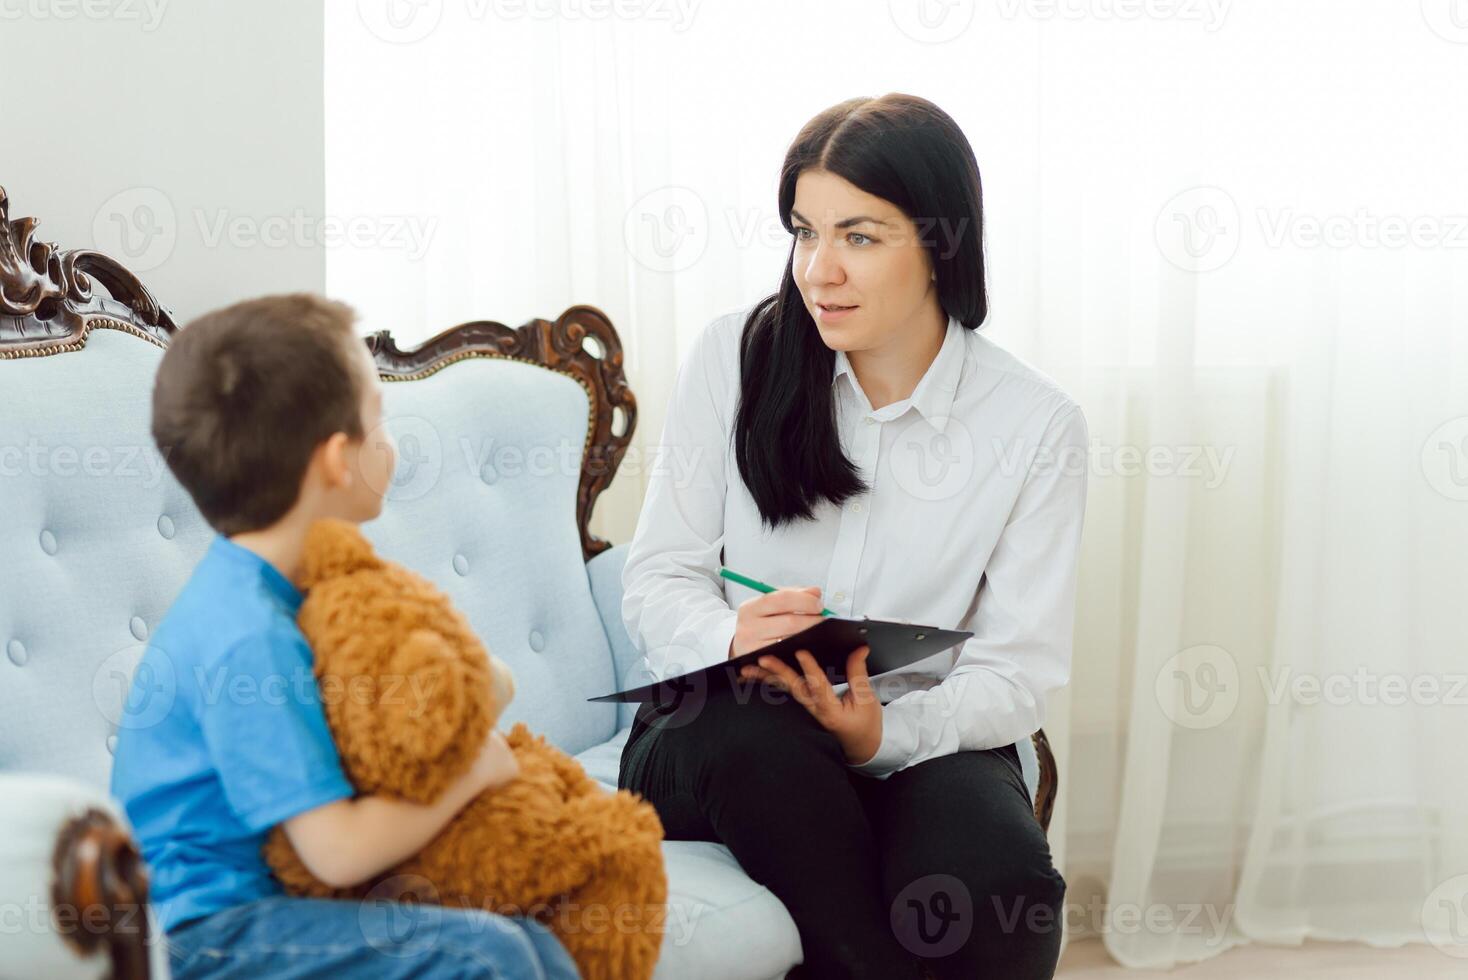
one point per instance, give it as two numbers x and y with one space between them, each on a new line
894 646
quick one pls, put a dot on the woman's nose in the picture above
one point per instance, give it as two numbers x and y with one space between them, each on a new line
824 267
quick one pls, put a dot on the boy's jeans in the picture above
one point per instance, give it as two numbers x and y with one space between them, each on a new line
289 938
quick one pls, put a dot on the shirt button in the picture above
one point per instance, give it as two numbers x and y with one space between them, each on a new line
840 597
871 421
856 508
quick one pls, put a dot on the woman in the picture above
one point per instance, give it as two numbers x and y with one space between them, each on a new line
855 434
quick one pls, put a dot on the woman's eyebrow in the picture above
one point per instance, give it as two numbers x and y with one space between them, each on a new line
843 223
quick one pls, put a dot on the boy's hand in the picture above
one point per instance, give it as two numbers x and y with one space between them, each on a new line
495 765
347 842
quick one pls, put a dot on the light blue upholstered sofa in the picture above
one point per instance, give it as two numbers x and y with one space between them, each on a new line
506 437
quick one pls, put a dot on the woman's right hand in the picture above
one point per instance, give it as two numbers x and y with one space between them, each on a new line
771 617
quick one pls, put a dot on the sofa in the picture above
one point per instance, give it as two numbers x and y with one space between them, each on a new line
506 438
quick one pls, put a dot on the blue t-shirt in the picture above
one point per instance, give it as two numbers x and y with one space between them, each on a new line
223 736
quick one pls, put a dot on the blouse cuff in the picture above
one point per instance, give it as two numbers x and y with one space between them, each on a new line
718 639
899 743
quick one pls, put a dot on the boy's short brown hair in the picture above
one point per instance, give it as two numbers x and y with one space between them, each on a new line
244 396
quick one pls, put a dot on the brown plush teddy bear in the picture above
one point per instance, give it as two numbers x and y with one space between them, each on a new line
418 694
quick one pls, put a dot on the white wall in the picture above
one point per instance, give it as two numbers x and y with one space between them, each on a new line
183 137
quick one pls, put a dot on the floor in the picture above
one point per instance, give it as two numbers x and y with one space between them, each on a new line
1088 960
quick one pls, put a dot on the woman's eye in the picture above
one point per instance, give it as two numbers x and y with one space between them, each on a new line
801 234
857 238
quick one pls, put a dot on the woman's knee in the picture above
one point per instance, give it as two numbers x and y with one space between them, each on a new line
975 905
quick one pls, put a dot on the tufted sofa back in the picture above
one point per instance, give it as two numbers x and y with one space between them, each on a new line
97 538
505 438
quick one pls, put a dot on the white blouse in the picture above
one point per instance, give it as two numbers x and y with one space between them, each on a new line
973 522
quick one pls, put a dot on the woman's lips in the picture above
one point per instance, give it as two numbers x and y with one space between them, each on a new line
830 312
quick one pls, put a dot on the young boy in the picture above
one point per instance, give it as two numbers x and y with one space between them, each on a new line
263 410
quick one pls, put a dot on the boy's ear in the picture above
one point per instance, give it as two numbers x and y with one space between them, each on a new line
440 695
331 456
502 683
334 548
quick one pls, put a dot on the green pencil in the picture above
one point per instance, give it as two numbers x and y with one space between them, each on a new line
756 585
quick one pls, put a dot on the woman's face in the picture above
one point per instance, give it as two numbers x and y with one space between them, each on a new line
859 263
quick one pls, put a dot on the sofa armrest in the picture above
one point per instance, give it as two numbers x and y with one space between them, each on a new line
69 865
605 572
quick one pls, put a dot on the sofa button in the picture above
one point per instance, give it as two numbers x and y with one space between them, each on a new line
461 564
488 475
48 542
139 628
165 526
537 641
111 744
15 650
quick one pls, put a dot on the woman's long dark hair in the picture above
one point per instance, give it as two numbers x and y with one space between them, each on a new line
904 150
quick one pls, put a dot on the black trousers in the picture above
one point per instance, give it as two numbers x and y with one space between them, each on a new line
941 865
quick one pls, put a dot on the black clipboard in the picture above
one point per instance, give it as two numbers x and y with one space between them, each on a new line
894 645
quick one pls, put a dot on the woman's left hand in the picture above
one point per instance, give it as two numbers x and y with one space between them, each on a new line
855 718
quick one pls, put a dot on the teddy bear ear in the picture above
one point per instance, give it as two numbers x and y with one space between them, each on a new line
335 548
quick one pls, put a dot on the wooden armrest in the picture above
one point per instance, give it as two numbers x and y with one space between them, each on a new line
99 893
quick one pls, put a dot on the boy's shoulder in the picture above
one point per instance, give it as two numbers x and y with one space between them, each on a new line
232 599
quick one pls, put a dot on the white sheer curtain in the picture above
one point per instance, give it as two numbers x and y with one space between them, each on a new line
1236 231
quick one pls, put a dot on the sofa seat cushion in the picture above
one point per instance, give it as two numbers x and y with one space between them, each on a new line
720 925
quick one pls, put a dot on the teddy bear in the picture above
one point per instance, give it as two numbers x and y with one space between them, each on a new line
410 694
